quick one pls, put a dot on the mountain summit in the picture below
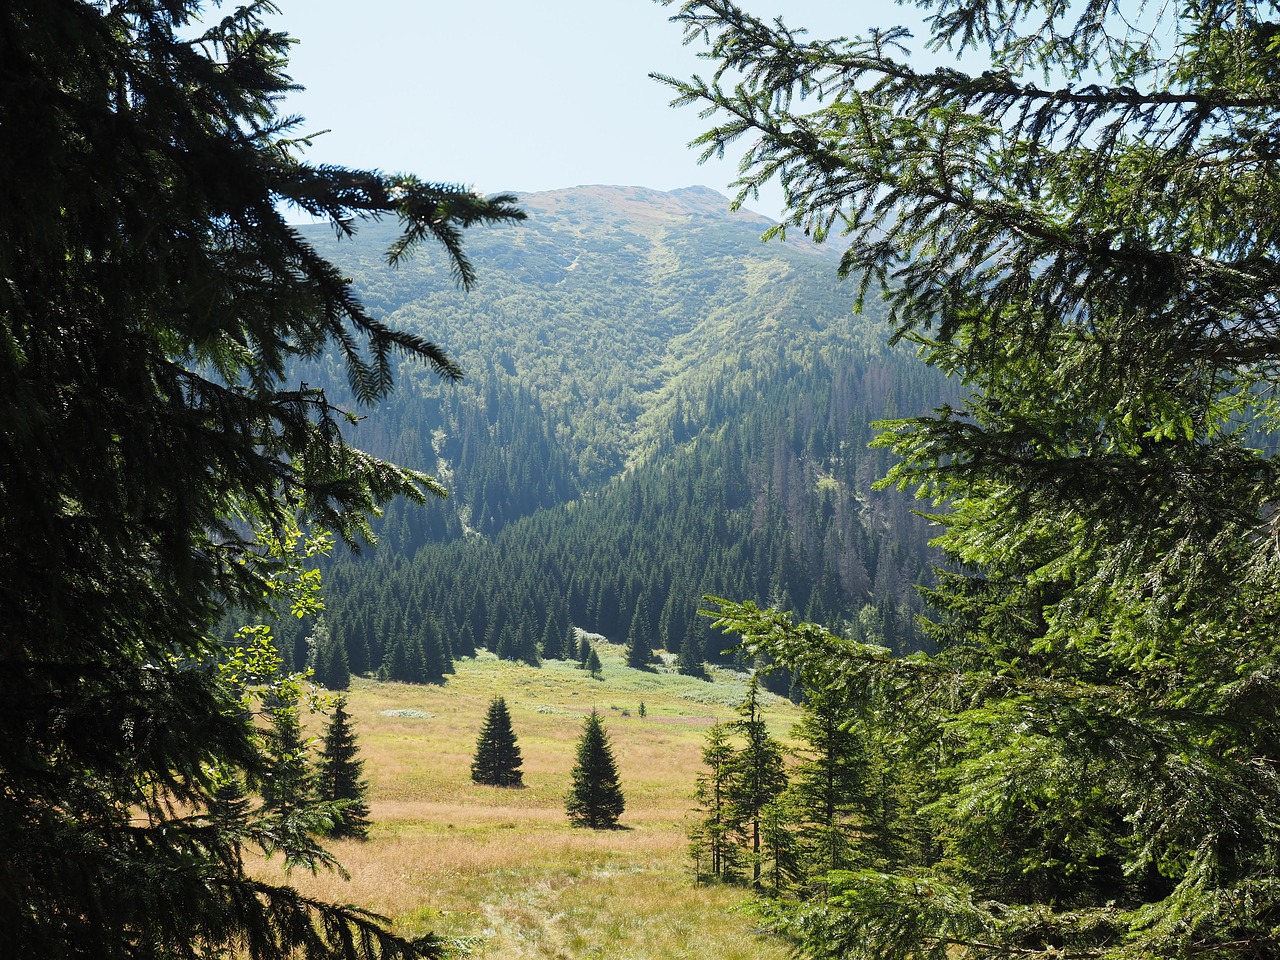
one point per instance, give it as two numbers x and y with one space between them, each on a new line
637 205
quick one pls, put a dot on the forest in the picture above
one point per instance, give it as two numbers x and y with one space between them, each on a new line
613 463
1044 265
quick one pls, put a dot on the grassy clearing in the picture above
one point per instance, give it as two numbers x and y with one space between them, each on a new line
503 868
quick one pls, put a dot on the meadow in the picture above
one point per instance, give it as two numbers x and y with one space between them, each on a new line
502 870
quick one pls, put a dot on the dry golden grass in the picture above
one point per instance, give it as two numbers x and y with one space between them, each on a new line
503 868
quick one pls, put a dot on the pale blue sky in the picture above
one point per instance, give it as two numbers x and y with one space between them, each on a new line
514 95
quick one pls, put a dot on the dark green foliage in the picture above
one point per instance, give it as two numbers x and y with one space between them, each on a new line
328 658
404 659
584 650
640 638
153 297
781 846
553 637
595 798
497 761
832 792
593 665
714 852
1084 230
415 650
525 646
690 660
437 660
338 777
749 474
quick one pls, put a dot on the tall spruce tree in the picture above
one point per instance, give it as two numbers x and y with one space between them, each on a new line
714 852
497 761
831 788
757 777
153 297
691 660
640 638
595 797
1084 230
552 638
339 776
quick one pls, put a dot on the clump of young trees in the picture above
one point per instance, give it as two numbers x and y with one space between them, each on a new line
782 823
302 793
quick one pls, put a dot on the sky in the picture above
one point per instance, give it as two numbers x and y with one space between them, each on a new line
510 95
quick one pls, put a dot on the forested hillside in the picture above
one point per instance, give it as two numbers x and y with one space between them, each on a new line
657 406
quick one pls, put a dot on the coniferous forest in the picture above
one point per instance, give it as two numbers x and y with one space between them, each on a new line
675 410
1037 719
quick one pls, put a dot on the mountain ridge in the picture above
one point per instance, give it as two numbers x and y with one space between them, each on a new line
637 203
657 406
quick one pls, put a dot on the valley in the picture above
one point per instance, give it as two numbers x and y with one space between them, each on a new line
656 406
502 870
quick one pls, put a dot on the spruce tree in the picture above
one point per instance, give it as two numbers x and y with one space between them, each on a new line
286 783
595 798
691 660
154 299
504 645
497 760
436 658
525 647
552 639
713 851
338 778
404 660
640 638
757 777
1083 231
831 791
328 657
593 665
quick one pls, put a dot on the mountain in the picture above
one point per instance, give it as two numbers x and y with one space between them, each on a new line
657 406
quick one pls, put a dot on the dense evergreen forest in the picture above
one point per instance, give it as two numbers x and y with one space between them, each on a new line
657 406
